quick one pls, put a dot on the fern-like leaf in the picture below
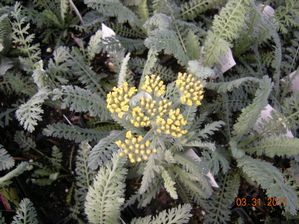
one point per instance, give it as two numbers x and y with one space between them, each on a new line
30 112
290 109
226 27
251 113
169 184
6 161
23 39
193 8
114 8
209 129
217 159
95 44
192 46
75 133
218 206
26 213
56 158
151 171
275 146
81 100
168 41
223 87
105 197
64 7
103 151
270 179
123 73
231 19
25 142
19 84
83 173
214 47
179 215
78 66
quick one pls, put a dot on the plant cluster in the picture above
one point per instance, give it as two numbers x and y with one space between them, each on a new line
148 111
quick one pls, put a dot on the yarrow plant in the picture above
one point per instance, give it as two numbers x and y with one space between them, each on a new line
185 141
153 113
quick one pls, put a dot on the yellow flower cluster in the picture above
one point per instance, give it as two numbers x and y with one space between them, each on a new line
191 89
135 148
172 125
153 84
118 99
139 119
164 106
149 105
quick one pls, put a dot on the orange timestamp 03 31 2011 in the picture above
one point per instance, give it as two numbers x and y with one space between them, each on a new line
257 202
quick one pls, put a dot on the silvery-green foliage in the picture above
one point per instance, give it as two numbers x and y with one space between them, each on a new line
250 113
76 133
56 158
226 27
82 100
275 146
193 8
84 175
69 75
217 208
6 161
114 8
103 150
95 44
270 179
24 39
26 213
30 112
106 195
151 171
169 184
123 73
25 142
179 215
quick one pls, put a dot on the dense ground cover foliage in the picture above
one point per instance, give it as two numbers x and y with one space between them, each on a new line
149 111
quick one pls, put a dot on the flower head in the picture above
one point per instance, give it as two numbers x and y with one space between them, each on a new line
153 85
191 89
118 99
164 106
139 119
135 148
148 110
149 105
172 124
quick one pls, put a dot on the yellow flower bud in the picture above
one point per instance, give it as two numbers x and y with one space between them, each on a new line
191 89
129 135
121 154
133 148
118 99
153 85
